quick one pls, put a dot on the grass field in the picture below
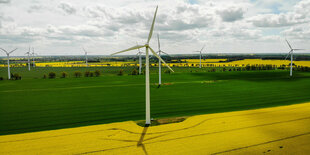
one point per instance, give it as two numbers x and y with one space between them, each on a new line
35 104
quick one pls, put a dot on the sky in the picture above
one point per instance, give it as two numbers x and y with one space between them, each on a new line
56 27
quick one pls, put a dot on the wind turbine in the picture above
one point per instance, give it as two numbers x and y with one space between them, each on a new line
8 55
159 62
86 59
140 60
292 55
200 55
147 69
28 58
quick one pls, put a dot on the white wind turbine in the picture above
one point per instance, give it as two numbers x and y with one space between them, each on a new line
28 58
33 54
86 59
147 69
159 62
200 55
140 60
292 55
8 57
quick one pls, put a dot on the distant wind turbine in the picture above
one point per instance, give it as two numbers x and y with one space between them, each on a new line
8 56
200 55
159 62
28 53
86 59
147 69
33 54
292 55
140 60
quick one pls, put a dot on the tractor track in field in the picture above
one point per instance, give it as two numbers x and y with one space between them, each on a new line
270 130
193 126
105 86
210 133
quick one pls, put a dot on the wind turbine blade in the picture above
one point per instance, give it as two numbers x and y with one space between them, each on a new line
288 55
202 48
158 42
129 49
165 53
152 27
138 49
13 50
85 51
288 44
156 55
4 50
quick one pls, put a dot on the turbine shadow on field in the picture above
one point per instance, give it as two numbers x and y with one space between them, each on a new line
262 76
140 142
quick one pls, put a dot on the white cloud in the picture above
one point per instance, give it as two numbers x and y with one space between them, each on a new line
231 14
106 26
67 8
299 15
5 1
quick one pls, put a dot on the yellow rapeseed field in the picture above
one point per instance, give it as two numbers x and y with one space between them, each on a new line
183 63
278 130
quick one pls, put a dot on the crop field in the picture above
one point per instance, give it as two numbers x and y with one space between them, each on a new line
36 104
277 130
173 63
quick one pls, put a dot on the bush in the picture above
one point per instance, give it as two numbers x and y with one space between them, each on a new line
16 76
64 74
44 76
77 74
87 73
97 73
91 74
121 72
1 78
167 71
134 72
52 75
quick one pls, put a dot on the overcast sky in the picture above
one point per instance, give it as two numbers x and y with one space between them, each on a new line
55 27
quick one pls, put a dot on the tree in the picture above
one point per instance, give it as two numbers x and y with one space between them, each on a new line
77 74
52 75
121 72
91 74
97 73
134 72
16 76
64 74
87 73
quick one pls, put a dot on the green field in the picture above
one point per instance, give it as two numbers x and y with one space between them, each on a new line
35 104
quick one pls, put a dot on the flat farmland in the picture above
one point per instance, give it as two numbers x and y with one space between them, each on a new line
36 104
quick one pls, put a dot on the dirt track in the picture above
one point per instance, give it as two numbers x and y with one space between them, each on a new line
279 130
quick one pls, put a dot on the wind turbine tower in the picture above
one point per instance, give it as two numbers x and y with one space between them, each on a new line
159 62
28 58
8 57
200 56
147 69
140 60
86 59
